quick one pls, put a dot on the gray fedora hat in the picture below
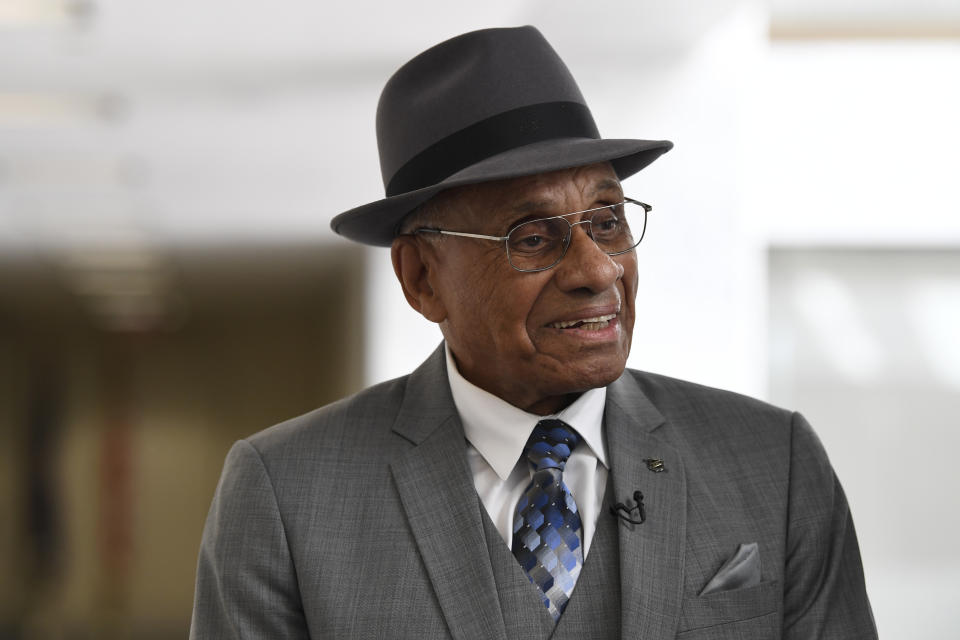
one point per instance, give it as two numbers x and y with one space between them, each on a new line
486 105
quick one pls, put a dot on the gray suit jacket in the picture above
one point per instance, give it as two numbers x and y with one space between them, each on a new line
361 520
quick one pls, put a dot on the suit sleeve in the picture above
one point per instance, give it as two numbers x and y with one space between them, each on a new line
824 591
246 582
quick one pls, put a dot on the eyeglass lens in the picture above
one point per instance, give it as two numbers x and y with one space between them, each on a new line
539 244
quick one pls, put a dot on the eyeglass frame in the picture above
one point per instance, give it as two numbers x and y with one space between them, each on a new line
569 237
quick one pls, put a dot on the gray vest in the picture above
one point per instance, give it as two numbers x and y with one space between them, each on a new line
594 607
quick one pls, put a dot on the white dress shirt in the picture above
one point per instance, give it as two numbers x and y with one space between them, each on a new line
497 433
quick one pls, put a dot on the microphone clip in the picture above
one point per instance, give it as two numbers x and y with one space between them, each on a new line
625 512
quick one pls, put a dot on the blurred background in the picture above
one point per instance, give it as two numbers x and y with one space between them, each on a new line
169 283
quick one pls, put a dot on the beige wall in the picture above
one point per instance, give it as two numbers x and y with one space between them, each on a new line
252 351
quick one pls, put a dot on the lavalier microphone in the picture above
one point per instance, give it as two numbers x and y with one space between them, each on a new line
625 513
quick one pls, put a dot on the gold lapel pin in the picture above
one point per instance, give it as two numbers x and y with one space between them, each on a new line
655 465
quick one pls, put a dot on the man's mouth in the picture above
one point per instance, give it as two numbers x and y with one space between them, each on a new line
588 324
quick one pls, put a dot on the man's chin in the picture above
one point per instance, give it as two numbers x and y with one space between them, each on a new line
554 395
582 379
602 380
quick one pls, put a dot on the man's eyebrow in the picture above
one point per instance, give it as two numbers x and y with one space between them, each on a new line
531 206
607 184
527 208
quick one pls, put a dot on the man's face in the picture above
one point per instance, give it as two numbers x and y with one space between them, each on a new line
508 330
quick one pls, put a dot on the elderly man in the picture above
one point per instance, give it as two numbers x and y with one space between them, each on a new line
521 483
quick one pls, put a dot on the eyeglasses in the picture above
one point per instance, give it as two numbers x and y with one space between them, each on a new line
538 245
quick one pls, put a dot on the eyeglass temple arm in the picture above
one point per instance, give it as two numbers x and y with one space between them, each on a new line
646 207
460 233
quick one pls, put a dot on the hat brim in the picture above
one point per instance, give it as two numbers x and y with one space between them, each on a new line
376 223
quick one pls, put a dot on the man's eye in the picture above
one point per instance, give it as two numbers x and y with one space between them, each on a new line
531 242
610 220
537 235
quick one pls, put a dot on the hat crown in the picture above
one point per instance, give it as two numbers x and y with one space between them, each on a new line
462 84
488 105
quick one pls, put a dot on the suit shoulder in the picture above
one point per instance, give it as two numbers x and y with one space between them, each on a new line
720 433
363 415
699 404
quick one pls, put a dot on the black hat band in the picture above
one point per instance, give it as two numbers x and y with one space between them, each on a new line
488 137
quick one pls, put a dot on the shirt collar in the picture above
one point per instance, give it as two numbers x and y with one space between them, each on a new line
499 431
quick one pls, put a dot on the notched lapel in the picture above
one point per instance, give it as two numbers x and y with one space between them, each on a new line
651 554
441 505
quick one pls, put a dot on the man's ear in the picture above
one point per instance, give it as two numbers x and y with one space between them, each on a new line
414 262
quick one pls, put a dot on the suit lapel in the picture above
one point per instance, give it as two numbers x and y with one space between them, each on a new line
651 554
441 505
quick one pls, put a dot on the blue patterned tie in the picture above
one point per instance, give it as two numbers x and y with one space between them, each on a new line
546 525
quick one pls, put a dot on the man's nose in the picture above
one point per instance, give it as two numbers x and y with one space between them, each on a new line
585 264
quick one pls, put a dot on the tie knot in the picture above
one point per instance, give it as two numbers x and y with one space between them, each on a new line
550 444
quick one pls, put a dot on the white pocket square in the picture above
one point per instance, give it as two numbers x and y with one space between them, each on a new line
741 570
